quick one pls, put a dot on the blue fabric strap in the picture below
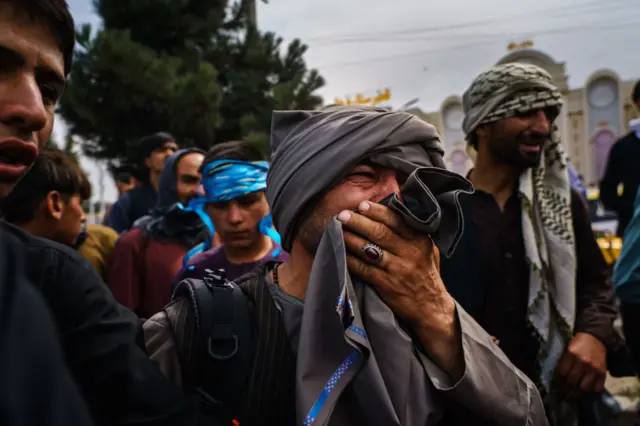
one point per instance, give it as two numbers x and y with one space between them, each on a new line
224 180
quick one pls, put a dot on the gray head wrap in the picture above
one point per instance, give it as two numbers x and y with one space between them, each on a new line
501 92
313 151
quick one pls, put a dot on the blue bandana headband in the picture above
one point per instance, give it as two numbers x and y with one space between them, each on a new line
224 180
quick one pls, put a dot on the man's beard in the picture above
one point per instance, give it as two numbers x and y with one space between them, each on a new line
312 227
507 150
188 199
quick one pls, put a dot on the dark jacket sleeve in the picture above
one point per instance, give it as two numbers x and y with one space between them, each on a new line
611 179
119 215
100 338
595 308
626 274
36 386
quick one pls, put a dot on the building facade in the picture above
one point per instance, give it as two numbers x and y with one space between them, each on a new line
592 117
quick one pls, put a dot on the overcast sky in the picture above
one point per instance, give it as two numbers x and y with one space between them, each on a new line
432 49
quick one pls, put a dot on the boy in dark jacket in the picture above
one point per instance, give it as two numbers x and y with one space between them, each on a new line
119 384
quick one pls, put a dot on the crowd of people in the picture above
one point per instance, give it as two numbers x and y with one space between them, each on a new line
347 279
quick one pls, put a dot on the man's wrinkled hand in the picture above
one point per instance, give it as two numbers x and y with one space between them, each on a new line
583 367
407 278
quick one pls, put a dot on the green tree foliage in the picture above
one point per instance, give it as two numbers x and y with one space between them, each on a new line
194 68
51 144
69 148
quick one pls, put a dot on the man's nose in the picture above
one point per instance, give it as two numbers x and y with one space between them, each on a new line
389 184
541 124
22 107
234 214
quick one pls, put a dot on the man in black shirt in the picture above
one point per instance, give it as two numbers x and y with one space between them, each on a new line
528 268
622 169
139 201
99 337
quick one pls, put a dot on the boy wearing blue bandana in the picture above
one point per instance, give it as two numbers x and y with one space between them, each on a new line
236 210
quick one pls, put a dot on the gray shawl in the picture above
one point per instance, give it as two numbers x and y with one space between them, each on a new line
348 336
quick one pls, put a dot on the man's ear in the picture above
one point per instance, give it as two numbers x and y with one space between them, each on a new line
54 205
147 161
482 132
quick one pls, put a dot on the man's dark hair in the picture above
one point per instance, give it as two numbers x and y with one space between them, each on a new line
124 177
56 16
635 94
53 170
472 140
233 150
150 143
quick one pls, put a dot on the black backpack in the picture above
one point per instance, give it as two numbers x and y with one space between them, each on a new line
225 347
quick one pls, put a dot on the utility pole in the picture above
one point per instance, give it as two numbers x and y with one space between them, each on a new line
252 15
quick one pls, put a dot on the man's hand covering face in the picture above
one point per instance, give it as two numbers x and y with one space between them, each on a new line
314 149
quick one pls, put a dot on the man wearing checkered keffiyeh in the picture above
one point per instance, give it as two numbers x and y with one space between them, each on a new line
521 169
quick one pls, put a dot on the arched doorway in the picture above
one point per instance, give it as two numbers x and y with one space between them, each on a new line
603 114
452 115
603 140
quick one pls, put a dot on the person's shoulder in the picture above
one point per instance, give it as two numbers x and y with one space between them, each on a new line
134 191
99 237
123 200
44 261
98 229
135 194
13 237
101 232
131 237
625 141
140 191
207 256
281 257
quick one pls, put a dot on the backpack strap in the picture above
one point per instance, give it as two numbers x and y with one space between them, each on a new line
270 397
225 341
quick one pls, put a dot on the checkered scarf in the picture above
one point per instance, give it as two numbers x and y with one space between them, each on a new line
504 91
